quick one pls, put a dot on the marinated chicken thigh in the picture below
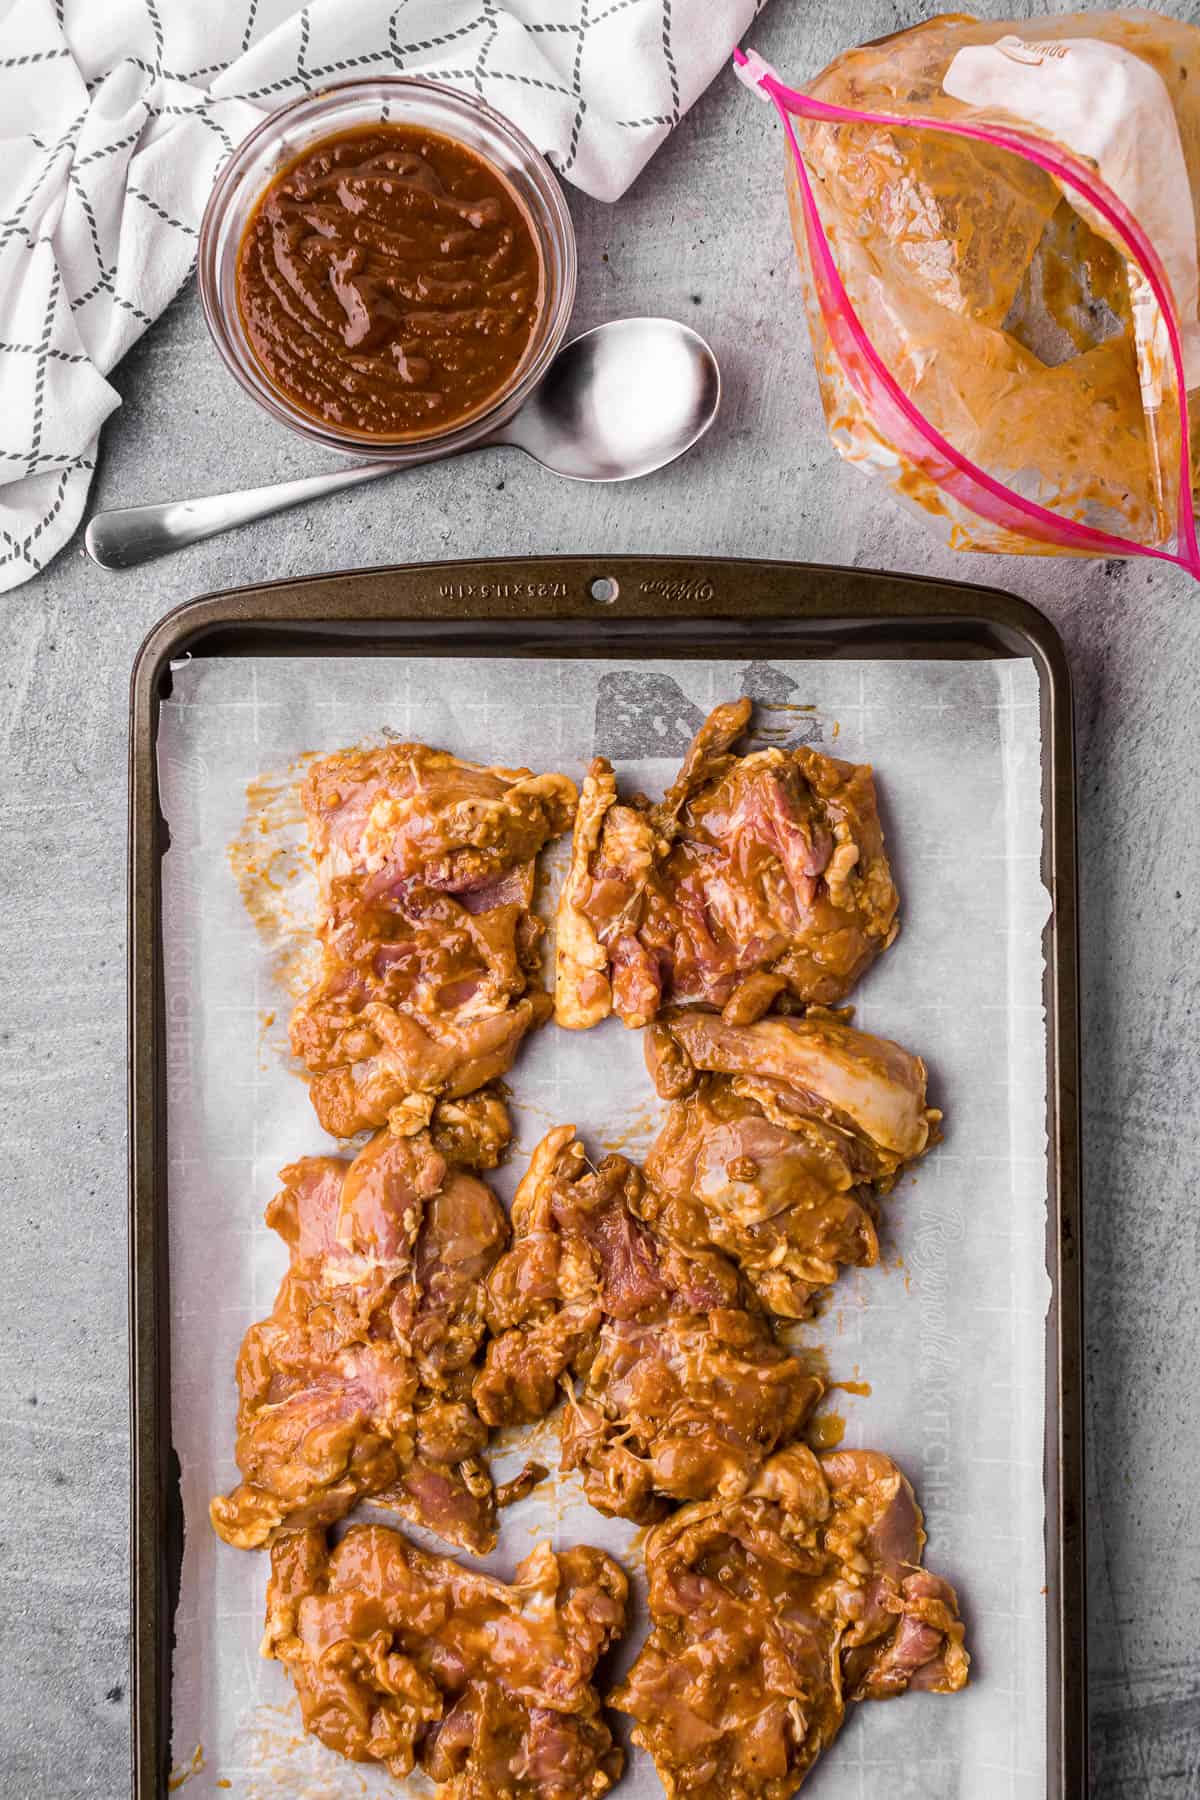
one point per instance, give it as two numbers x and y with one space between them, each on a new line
683 1390
771 1610
817 1066
402 1658
359 1383
779 1136
788 1204
754 876
430 961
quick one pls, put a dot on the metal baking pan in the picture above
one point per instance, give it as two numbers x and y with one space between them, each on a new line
597 606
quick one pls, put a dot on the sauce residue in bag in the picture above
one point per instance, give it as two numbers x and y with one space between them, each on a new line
389 282
1012 320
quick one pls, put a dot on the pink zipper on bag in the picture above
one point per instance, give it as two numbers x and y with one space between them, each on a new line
904 424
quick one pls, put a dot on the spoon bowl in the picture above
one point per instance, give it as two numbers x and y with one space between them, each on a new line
620 401
616 403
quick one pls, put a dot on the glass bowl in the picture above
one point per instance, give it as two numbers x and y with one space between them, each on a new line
397 99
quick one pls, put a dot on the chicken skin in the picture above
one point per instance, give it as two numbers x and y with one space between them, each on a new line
402 1658
780 1136
683 1391
817 1066
359 1383
755 876
770 1611
430 960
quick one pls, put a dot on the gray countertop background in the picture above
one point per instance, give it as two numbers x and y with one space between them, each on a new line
703 235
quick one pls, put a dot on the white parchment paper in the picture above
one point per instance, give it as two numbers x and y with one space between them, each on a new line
948 1330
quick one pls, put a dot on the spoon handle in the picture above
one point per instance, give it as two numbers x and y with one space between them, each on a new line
129 535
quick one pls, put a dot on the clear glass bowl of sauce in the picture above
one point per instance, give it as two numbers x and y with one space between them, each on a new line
388 267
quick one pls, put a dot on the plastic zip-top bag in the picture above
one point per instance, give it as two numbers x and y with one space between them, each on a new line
998 226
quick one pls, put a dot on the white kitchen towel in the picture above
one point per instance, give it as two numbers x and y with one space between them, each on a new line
115 116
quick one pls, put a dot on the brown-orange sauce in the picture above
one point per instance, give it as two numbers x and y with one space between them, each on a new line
389 282
826 1431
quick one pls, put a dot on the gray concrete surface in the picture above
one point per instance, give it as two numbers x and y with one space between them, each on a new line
703 236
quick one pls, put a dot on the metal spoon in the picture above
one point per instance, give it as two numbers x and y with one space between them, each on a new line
617 402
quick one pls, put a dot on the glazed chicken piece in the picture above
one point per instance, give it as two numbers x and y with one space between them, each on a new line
401 1658
770 1611
474 1131
430 959
359 1383
774 1153
679 1408
754 876
817 1066
683 1390
788 1204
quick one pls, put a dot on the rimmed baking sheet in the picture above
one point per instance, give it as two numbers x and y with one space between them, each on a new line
950 1331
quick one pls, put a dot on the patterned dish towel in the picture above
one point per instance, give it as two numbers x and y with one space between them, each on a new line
115 116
